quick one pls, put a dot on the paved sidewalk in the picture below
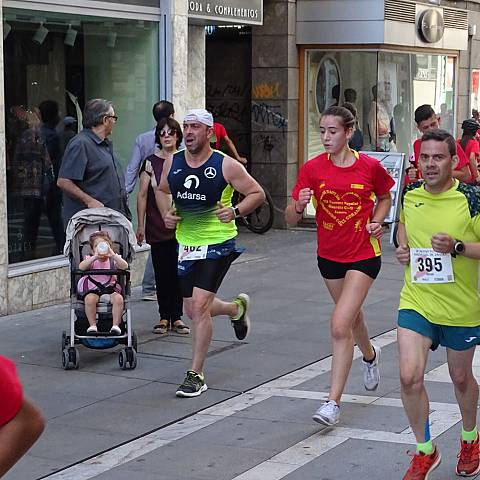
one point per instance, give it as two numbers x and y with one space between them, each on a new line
254 422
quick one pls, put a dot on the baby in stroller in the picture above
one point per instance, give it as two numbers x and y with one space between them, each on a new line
91 288
99 286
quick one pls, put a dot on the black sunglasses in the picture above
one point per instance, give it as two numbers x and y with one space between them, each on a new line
171 132
112 116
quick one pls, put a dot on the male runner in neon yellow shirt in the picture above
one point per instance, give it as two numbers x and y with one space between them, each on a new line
438 239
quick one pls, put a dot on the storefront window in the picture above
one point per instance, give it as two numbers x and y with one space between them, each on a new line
332 79
54 63
385 88
434 80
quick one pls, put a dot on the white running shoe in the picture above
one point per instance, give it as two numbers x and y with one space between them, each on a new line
371 373
328 413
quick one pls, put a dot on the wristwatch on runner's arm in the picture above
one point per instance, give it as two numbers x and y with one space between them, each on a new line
458 247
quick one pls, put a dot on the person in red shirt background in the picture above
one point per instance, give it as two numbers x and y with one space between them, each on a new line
470 146
344 185
21 423
426 119
221 134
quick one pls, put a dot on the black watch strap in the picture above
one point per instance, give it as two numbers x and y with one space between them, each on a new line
236 211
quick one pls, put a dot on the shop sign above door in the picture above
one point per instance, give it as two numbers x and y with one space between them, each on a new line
431 26
248 12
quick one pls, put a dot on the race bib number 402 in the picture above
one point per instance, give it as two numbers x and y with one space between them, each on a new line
429 266
192 253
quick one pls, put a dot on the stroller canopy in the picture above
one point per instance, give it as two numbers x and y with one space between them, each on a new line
103 217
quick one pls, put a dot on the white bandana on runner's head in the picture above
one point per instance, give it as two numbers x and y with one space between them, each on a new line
199 115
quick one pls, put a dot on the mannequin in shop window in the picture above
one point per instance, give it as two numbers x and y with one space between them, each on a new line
33 179
381 126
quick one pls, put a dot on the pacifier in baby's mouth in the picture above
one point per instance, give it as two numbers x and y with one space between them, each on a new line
102 248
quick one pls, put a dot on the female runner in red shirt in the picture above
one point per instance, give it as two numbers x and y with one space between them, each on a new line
344 185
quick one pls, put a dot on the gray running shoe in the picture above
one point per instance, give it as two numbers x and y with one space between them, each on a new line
241 325
193 385
371 373
328 413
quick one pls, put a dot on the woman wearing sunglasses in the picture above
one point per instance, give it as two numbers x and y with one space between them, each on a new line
168 137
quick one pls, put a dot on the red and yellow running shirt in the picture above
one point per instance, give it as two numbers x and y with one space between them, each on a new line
344 198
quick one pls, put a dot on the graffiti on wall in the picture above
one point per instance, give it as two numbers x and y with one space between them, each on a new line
226 90
230 110
269 115
265 141
263 91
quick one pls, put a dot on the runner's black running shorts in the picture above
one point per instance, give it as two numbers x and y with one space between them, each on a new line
206 274
335 270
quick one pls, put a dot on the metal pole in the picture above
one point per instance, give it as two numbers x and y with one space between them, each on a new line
165 50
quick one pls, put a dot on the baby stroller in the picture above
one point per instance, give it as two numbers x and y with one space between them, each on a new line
77 246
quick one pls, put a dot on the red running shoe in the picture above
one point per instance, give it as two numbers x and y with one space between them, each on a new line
468 458
422 465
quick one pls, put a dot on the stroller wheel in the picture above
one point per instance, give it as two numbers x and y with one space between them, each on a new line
70 358
122 359
75 357
65 359
133 359
127 358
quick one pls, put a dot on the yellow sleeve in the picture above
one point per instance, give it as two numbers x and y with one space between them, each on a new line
476 225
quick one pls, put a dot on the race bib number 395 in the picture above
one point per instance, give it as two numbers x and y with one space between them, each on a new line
192 253
429 266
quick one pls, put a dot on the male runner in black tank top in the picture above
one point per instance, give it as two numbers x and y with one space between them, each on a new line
207 246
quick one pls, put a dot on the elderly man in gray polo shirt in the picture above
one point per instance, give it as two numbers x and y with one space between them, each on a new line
91 175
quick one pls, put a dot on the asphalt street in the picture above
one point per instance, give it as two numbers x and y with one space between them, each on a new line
254 422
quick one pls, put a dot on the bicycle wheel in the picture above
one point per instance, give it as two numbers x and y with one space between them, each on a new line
261 219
